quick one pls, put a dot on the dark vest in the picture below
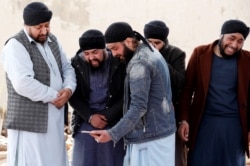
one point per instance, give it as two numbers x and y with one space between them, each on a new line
22 113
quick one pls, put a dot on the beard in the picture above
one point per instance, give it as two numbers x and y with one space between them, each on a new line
40 38
128 54
222 52
96 63
96 66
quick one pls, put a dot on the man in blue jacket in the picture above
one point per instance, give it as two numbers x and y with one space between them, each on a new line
148 124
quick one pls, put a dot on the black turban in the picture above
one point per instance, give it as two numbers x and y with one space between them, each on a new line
118 32
36 13
157 30
235 26
92 39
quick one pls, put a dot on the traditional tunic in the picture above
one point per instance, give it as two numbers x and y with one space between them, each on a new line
159 152
219 140
30 148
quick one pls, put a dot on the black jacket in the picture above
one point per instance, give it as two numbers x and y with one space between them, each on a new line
79 99
175 59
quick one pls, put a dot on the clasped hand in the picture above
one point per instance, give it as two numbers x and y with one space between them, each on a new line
62 98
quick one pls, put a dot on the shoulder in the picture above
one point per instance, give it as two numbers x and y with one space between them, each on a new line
173 52
245 54
206 47
204 50
54 42
75 60
173 48
146 58
14 46
52 36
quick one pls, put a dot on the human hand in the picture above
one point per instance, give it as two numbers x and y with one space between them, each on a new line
98 121
101 136
183 130
62 98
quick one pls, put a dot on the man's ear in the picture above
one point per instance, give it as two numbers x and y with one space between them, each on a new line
131 43
128 42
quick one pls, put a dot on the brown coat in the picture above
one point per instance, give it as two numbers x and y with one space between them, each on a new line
196 88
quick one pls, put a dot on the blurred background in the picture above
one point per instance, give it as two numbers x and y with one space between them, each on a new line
191 22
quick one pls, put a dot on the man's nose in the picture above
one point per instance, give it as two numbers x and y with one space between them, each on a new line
114 53
44 30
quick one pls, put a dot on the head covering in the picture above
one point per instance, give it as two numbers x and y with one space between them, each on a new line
118 32
156 29
35 13
235 26
92 39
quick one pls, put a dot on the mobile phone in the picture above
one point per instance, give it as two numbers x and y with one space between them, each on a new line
85 131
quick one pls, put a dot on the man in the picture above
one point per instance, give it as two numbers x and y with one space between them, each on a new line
156 32
97 101
215 103
40 80
148 123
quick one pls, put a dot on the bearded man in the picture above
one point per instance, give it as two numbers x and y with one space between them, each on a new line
40 80
215 101
148 124
97 101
